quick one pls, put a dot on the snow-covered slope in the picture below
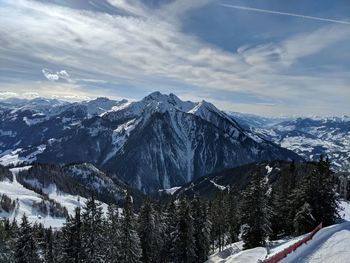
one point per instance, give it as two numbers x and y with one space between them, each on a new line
171 141
28 201
329 245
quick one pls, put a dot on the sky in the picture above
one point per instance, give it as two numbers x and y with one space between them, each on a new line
267 57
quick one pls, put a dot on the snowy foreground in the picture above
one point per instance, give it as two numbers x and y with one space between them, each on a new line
330 245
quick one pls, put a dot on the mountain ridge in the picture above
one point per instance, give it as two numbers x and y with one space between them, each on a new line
172 141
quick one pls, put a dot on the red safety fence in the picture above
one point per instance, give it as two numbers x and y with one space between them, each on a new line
281 255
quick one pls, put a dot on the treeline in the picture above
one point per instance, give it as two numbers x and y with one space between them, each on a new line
290 206
67 179
181 230
7 204
5 173
156 234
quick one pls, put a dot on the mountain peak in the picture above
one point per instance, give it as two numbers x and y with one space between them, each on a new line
202 108
168 101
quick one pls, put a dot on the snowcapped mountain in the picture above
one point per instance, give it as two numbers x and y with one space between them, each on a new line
308 137
171 141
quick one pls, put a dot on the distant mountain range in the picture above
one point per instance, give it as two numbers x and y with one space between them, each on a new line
308 137
156 143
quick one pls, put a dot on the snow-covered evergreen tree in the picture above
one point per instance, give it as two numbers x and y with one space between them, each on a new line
92 232
218 219
254 213
71 239
130 251
112 235
314 200
303 220
26 246
149 233
48 241
184 242
168 225
202 228
231 215
6 253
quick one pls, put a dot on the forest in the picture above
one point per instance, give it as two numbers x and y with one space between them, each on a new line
180 230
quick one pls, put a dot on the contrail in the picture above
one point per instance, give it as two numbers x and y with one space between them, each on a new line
285 14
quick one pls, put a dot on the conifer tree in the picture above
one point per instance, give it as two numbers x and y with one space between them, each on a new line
279 197
314 200
254 213
6 254
168 224
49 257
304 220
202 228
231 214
184 242
71 239
92 232
112 235
57 248
130 251
219 223
149 233
26 246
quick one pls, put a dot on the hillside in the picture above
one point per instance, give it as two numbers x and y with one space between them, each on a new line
47 194
239 177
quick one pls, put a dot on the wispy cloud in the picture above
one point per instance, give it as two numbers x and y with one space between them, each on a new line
259 10
148 49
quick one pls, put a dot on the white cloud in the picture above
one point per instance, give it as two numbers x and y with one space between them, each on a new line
54 76
8 94
148 49
273 56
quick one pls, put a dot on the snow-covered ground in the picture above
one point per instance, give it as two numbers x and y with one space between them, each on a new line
330 245
26 197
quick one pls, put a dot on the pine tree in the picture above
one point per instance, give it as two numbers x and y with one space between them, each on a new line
184 242
92 232
314 200
327 210
49 257
26 247
71 239
303 220
231 214
219 223
281 192
254 213
149 233
202 228
6 254
113 235
168 225
131 251
58 248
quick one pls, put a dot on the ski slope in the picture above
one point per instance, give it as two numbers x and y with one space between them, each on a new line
26 198
330 245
